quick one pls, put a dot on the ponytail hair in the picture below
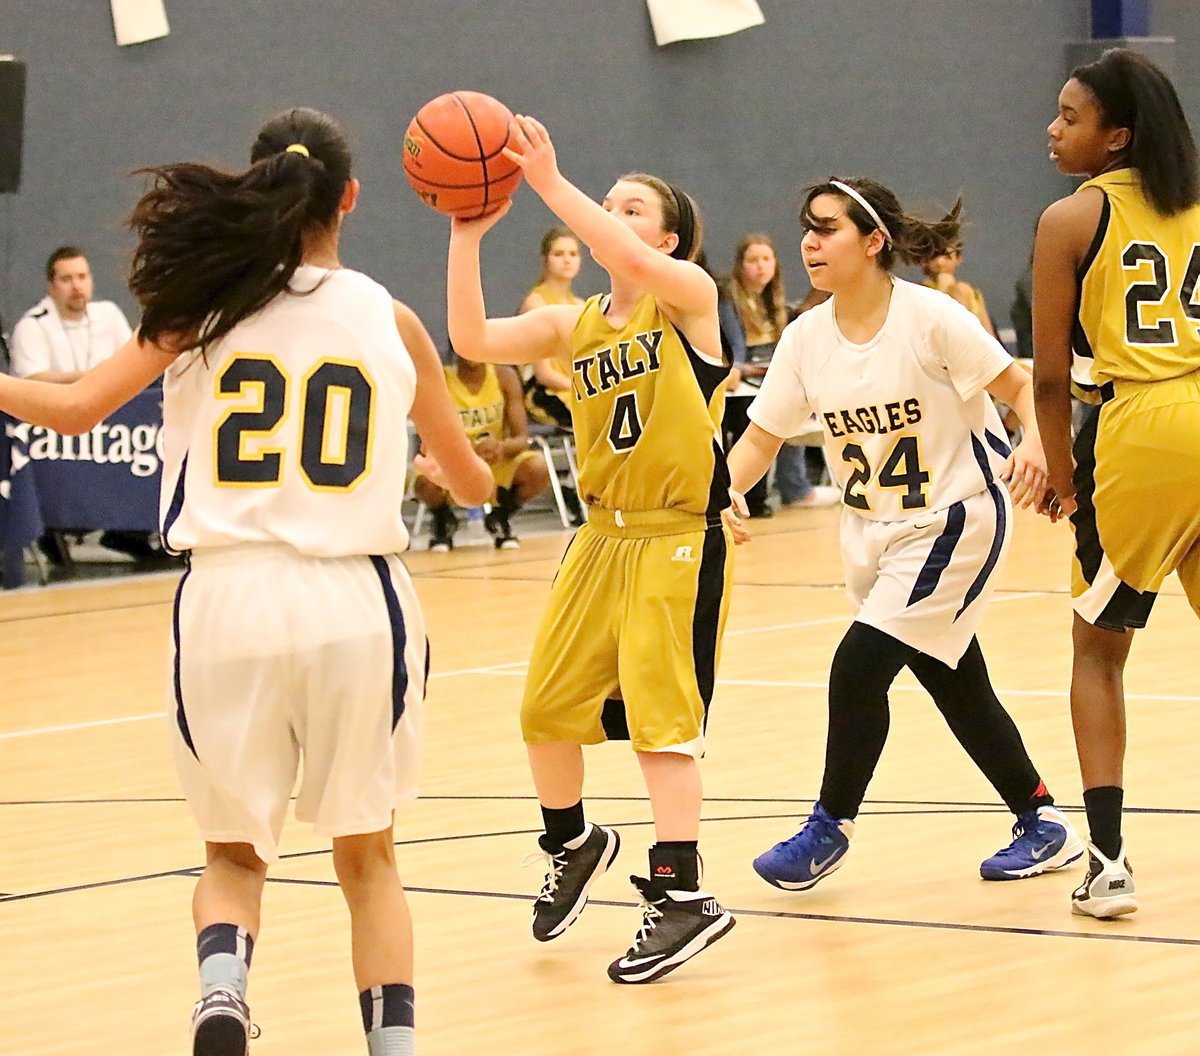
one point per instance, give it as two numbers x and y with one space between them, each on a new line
908 238
1135 94
680 214
215 247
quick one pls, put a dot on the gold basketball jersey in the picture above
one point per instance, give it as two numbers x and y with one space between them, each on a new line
646 409
482 412
1139 299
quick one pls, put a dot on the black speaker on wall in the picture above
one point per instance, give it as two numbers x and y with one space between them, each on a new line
12 123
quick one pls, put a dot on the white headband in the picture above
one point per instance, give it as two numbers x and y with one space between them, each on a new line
866 205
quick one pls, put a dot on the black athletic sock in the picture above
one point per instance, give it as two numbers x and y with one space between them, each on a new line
676 865
506 500
864 666
1103 807
562 825
967 701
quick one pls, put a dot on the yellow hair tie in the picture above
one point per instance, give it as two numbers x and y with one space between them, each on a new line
298 148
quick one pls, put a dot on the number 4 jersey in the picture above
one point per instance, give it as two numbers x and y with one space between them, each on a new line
1139 303
908 426
295 429
646 409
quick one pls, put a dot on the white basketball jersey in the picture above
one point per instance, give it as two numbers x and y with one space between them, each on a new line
908 427
295 429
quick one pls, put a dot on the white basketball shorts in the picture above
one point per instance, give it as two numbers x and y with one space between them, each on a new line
927 580
281 658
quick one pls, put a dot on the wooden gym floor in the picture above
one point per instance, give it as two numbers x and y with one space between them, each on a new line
904 951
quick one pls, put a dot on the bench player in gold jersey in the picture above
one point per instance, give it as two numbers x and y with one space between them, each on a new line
638 605
1117 317
491 407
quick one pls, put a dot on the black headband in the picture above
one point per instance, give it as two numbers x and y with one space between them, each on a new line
687 224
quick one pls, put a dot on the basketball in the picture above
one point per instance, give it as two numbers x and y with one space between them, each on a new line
452 154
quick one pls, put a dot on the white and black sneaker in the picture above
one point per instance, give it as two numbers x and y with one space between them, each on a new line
676 925
445 524
1107 890
570 873
221 1025
500 530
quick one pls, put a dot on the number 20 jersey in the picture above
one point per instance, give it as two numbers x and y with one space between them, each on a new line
1139 290
909 429
295 429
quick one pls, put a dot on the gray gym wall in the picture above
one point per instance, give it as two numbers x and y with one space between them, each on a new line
934 97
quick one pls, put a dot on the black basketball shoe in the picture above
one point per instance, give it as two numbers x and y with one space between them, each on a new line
221 1025
676 925
569 877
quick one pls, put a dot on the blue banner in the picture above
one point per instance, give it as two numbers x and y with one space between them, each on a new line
107 478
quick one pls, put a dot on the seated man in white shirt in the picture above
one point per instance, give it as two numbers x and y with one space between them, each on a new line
59 338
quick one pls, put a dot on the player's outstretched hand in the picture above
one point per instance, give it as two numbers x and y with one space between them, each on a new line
735 516
535 153
1025 473
481 226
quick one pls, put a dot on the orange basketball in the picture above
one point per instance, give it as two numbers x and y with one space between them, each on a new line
452 154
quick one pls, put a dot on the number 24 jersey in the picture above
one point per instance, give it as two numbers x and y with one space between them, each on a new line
908 427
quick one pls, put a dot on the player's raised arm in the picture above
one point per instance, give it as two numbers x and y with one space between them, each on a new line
675 280
538 334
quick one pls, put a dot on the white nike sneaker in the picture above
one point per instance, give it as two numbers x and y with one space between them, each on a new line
1107 890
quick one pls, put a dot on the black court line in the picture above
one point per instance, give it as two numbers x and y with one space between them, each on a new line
418 841
104 610
89 802
324 852
192 870
529 798
830 918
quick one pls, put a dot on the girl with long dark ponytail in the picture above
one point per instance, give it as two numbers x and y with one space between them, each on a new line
288 384
1115 320
900 376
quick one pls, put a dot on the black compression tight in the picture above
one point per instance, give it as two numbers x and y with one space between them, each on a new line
865 664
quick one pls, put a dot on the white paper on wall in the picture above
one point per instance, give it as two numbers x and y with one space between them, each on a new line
698 19
136 21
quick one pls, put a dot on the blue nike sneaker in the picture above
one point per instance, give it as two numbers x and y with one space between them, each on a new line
814 852
1043 840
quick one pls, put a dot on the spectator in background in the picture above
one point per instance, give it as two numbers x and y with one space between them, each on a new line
756 294
488 400
1021 313
60 337
549 384
940 275
66 332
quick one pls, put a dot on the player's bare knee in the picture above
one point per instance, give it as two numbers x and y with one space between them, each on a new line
429 493
360 861
531 479
236 856
1098 647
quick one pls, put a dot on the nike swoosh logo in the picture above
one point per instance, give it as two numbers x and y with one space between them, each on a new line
815 867
1041 851
639 962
